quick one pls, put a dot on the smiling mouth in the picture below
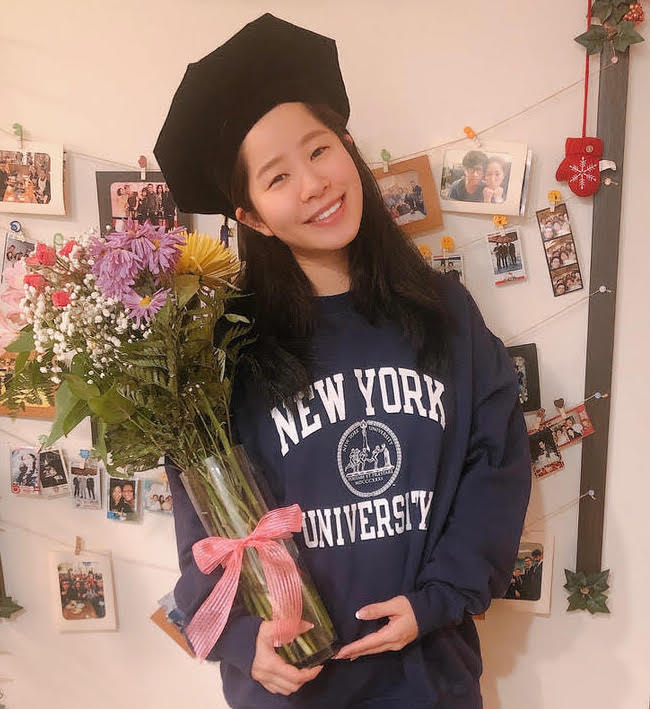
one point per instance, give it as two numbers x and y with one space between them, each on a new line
322 216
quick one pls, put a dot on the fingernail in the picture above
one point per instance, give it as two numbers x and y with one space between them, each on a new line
358 615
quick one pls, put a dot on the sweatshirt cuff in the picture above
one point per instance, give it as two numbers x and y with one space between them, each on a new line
426 613
438 605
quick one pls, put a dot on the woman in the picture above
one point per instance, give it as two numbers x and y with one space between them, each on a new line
359 345
495 188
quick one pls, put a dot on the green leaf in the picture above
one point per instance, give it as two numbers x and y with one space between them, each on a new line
100 451
75 416
80 388
598 581
593 39
602 9
597 603
112 407
185 286
234 317
21 361
65 401
574 580
577 602
618 13
24 342
626 36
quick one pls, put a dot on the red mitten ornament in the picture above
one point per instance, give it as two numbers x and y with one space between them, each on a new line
580 166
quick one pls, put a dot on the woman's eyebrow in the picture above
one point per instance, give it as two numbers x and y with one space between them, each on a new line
305 139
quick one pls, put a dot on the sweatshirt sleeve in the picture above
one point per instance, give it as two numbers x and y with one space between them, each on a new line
236 646
472 560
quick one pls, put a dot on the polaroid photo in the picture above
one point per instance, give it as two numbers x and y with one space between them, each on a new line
571 428
123 496
24 471
83 596
157 497
486 180
506 257
31 179
410 194
544 455
530 585
123 195
14 250
450 265
53 474
86 483
524 358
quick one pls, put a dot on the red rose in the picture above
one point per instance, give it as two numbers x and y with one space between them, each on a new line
44 256
65 251
60 298
34 279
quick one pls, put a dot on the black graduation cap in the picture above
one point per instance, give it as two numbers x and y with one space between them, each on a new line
221 97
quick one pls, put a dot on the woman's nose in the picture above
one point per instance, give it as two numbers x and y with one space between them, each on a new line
314 183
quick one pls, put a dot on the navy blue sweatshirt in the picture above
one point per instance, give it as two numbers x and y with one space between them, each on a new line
410 484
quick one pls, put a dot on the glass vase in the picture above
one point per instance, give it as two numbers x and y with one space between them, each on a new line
225 492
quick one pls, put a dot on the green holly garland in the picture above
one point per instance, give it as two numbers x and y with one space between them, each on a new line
617 18
587 591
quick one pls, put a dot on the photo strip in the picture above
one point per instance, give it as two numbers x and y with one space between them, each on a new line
24 471
450 265
52 473
560 250
506 257
86 483
524 358
31 179
123 195
123 499
530 585
82 591
571 428
544 455
487 179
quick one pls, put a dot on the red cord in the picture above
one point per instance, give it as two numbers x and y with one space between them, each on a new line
584 110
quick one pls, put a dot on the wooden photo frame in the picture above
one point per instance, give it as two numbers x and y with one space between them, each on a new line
120 196
410 195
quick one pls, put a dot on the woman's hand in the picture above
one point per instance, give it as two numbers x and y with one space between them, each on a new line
401 629
271 671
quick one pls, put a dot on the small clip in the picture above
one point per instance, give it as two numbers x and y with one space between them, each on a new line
142 162
15 226
385 158
559 405
57 240
425 252
607 181
18 132
471 134
77 545
539 419
554 197
447 244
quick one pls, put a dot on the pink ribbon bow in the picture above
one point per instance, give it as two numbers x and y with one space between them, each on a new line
282 579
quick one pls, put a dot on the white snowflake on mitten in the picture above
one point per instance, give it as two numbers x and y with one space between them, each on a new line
580 166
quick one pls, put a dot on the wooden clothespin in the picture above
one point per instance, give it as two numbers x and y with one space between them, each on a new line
142 162
554 196
385 158
559 405
18 132
78 543
539 419
472 135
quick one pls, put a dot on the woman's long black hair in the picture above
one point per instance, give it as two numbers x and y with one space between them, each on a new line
388 280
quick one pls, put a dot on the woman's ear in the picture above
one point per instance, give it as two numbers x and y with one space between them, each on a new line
348 137
250 219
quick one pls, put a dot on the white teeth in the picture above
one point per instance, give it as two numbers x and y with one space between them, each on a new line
327 213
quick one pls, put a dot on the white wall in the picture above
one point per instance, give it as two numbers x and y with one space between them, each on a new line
99 76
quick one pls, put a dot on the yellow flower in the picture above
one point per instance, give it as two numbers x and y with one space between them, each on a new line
203 256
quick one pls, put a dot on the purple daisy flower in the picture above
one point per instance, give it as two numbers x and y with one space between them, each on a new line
155 247
166 252
143 307
116 269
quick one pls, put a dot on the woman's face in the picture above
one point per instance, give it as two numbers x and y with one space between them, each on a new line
494 174
303 183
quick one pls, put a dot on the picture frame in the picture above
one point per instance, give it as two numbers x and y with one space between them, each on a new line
524 359
530 586
31 177
35 411
410 194
82 589
123 495
506 256
120 196
485 179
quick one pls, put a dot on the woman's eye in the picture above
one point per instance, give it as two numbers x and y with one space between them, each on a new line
276 179
319 151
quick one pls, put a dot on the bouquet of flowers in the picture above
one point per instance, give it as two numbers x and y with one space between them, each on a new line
132 329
